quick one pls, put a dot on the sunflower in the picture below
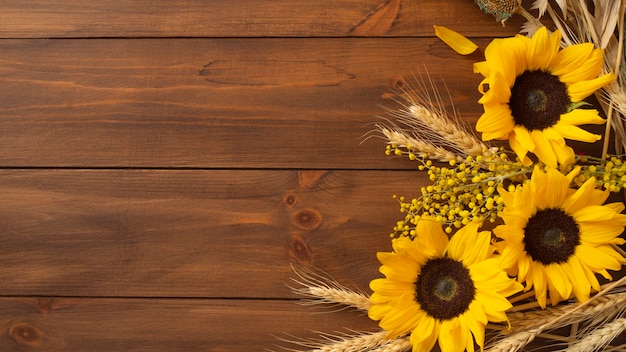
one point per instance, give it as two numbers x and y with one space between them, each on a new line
556 238
534 94
442 290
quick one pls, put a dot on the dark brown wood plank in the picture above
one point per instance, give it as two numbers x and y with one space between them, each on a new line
243 18
62 324
218 233
211 103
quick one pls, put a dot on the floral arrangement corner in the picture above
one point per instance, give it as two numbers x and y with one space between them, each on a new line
508 243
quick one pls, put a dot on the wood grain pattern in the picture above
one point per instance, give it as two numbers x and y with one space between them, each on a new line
219 233
242 18
75 324
226 103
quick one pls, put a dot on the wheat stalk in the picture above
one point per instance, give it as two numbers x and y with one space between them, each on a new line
399 137
349 342
423 124
598 308
518 340
321 289
447 128
600 337
398 345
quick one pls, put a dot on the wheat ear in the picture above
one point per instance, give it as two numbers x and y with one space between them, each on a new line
415 144
321 289
600 337
518 340
400 344
599 308
349 342
423 123
449 129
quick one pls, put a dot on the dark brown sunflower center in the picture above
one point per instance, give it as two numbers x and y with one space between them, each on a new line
551 236
444 288
538 98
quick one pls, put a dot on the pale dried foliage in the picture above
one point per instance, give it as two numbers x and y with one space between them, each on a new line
424 125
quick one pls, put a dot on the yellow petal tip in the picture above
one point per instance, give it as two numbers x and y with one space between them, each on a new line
455 40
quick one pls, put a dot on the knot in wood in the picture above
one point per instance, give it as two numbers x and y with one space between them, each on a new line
307 219
25 334
300 250
290 200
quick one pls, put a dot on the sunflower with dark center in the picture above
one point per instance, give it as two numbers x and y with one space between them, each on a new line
442 290
556 238
532 92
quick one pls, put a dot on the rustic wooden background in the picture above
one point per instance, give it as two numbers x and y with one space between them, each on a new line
162 163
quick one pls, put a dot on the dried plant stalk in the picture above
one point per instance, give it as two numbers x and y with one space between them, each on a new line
423 125
516 341
599 308
325 290
398 345
401 139
600 337
350 342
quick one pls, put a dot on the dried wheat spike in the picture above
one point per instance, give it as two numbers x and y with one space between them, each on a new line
600 337
325 290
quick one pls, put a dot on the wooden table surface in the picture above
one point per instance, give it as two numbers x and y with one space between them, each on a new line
163 163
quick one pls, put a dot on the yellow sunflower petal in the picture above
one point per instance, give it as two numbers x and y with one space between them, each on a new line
453 336
558 281
556 194
564 153
507 56
524 265
510 256
577 63
496 122
477 329
424 336
575 133
599 258
595 213
585 195
387 287
519 149
543 149
499 92
580 283
455 40
483 67
402 321
597 235
470 246
430 233
537 278
424 328
582 117
580 90
542 49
